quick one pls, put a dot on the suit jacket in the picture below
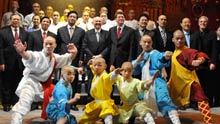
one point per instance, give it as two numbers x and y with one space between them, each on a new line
158 41
121 48
92 47
35 40
63 39
206 42
137 41
8 54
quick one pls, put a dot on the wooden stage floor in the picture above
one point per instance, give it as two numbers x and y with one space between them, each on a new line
188 116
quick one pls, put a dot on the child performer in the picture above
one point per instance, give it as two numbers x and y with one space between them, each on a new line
102 107
58 110
129 89
147 63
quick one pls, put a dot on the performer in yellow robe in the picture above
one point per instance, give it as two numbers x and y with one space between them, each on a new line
184 84
102 107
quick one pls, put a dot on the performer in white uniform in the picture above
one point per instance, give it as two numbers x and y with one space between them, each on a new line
38 68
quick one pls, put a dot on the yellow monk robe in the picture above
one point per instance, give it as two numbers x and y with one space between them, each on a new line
102 105
180 81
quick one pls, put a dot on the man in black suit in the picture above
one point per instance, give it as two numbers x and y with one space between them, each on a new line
186 26
71 34
141 31
95 44
36 38
96 41
122 40
11 65
163 37
204 40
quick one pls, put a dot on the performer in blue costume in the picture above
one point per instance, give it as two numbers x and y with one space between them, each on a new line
58 110
147 63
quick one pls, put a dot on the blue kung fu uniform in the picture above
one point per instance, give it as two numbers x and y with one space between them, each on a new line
58 107
156 61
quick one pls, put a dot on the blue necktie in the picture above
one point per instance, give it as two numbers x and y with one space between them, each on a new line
187 36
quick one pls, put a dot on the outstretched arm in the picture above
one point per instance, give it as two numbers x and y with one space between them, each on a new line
72 50
20 48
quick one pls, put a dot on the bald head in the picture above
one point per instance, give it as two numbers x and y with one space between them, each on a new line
49 46
67 68
127 65
100 59
178 39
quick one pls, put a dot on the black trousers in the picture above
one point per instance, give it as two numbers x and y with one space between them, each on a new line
10 81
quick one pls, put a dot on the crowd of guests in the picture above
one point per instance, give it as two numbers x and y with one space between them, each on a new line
161 70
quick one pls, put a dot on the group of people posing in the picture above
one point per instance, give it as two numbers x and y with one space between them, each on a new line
154 70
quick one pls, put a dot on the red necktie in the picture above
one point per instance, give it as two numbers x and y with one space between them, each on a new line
44 35
16 34
119 32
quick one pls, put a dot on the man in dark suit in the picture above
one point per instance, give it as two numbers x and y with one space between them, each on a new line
204 40
163 37
122 39
96 41
11 65
141 31
71 34
95 44
186 26
36 38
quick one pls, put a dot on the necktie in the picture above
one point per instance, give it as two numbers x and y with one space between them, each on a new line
187 36
119 32
16 34
164 37
71 32
97 36
44 35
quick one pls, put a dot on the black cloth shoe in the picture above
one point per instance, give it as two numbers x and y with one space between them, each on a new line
74 108
194 106
6 108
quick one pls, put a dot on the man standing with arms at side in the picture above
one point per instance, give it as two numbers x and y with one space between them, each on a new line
10 61
71 34
122 42
204 40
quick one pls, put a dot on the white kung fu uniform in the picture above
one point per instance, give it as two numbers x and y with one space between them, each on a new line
38 68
